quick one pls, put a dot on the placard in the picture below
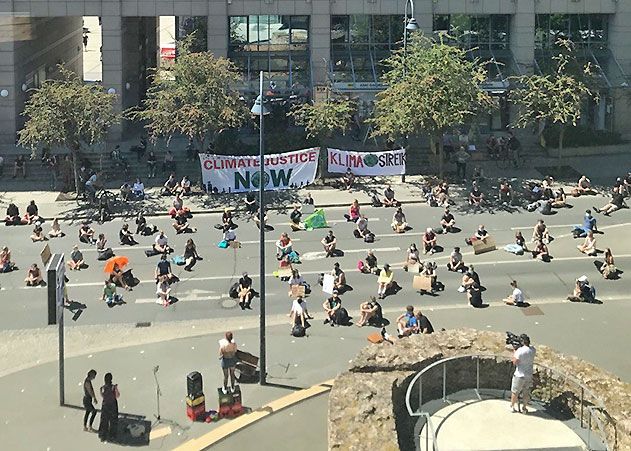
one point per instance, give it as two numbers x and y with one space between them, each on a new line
422 283
328 283
482 246
297 291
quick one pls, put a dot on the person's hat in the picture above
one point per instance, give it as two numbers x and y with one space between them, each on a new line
335 291
583 278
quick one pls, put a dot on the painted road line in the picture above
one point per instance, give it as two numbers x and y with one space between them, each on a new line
310 256
156 300
130 248
313 272
226 429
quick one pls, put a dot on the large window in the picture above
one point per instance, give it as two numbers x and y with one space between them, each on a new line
277 45
360 42
488 32
584 30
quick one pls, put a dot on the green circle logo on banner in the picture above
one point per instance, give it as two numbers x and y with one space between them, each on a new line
371 160
256 178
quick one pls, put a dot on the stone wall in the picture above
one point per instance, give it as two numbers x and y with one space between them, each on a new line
367 402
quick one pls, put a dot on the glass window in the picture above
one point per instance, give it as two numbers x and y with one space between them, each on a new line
585 30
238 30
340 29
381 29
499 31
360 26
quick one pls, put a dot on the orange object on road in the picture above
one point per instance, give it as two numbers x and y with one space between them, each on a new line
121 261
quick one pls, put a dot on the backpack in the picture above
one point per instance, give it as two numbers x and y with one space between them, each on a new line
341 317
369 238
375 202
234 290
293 257
360 266
298 331
356 233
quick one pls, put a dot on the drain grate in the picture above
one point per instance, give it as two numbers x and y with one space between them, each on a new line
532 311
144 324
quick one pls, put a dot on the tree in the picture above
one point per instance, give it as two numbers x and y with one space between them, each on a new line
194 97
321 119
68 112
555 97
432 88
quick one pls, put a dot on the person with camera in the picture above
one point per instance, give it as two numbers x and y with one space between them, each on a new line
523 359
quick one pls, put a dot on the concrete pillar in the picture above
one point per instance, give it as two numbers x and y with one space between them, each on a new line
217 33
522 35
112 54
320 40
620 45
7 81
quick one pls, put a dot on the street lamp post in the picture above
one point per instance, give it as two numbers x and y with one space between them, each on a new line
408 25
258 109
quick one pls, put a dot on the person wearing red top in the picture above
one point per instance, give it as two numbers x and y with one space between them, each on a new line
353 212
429 241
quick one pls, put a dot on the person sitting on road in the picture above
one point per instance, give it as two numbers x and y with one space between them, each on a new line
616 203
142 227
339 277
348 179
76 259
447 222
540 232
6 265
103 252
331 306
32 213
250 203
584 186
429 241
480 234
178 206
589 245
406 323
298 314
399 222
161 245
516 297
294 219
116 277
519 246
228 234
13 216
608 268
424 324
246 293
125 192
185 186
476 197
38 233
284 246
163 291
297 279
589 224
170 187
163 268
55 229
367 311
429 271
362 227
329 242
353 212
505 194
456 262
583 291
125 236
109 294
181 224
86 233
385 281
388 198
138 190
441 194
33 276
257 218
190 255
369 264
540 251
412 257
560 199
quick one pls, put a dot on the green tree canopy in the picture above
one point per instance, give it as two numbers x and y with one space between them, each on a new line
321 119
431 87
555 97
196 97
68 112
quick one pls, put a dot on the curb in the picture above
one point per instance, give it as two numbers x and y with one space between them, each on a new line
225 430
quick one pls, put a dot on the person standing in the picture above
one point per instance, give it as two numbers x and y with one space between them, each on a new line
89 399
461 158
109 409
228 360
523 359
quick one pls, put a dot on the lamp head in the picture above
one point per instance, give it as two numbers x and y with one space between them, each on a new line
411 25
259 108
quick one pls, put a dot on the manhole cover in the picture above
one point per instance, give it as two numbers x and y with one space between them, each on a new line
143 324
532 311
229 303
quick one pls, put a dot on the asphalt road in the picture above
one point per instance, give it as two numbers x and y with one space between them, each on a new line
203 292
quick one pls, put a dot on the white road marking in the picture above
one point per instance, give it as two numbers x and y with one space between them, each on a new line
129 248
310 256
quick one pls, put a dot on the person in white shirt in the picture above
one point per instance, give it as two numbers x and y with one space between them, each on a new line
138 189
161 244
298 313
516 297
523 359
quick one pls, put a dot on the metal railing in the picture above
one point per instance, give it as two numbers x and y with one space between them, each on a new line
544 383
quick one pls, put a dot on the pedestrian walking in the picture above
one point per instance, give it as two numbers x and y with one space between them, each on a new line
109 409
89 399
228 360
523 359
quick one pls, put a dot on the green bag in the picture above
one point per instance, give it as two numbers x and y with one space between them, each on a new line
315 220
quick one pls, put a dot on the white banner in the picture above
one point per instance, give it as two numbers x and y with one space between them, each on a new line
237 174
388 162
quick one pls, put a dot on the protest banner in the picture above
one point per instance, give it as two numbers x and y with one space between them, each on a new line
389 162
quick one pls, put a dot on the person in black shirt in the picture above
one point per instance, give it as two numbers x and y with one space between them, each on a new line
447 221
181 224
245 292
126 237
13 216
329 242
250 203
371 263
20 165
151 164
88 398
163 268
480 234
424 324
295 217
190 255
32 213
616 203
476 197
331 306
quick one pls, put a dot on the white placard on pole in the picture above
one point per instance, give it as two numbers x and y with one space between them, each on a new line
328 283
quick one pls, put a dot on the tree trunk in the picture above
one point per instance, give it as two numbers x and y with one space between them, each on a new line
75 170
441 157
559 157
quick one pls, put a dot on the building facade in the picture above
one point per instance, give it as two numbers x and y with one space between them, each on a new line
305 44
